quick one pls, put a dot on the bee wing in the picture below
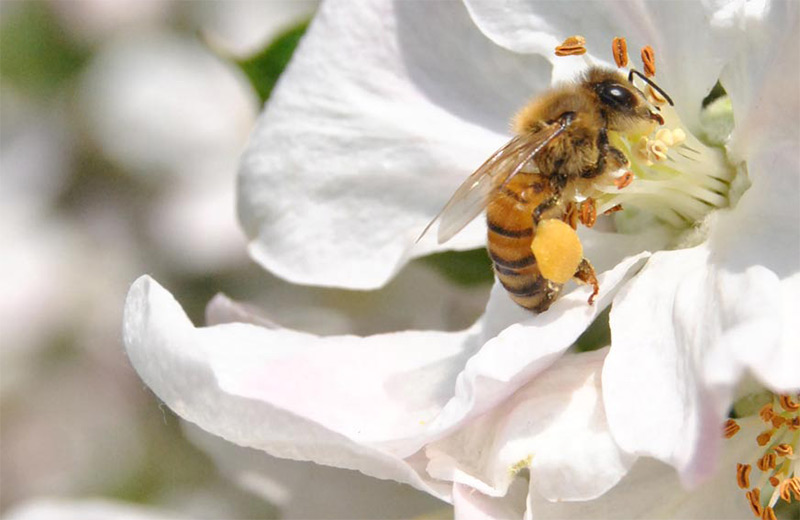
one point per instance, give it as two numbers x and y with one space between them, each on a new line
474 194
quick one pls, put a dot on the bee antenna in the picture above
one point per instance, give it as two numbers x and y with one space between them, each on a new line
651 83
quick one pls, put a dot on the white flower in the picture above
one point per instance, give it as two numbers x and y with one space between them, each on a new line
384 109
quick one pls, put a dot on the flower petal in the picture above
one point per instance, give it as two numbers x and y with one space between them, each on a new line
658 332
470 504
652 490
197 372
376 121
98 509
555 426
675 31
304 490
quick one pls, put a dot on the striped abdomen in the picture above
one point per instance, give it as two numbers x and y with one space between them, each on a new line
510 223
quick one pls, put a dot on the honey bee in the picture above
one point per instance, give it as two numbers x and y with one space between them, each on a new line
560 148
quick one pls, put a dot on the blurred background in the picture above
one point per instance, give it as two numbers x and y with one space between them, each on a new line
121 123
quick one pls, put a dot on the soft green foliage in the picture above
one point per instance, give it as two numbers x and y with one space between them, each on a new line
464 267
35 54
264 68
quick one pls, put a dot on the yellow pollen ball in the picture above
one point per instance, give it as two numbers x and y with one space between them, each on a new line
557 249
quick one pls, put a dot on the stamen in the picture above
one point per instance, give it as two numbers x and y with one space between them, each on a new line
572 46
743 475
777 421
764 437
649 61
768 514
774 481
766 462
787 403
754 498
784 450
622 181
766 413
619 48
730 429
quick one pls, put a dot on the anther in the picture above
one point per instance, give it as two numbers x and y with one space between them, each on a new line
784 450
619 48
649 61
743 475
614 209
777 421
766 413
572 46
730 428
774 481
785 491
766 462
754 498
623 180
768 514
764 437
794 423
787 403
588 214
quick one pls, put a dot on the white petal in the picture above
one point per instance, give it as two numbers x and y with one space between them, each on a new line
303 490
652 490
654 394
673 30
377 120
470 504
206 376
157 103
48 509
555 425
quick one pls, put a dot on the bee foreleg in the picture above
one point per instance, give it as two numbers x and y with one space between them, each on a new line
544 206
585 274
607 156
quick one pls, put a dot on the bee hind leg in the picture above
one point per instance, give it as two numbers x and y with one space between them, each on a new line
585 274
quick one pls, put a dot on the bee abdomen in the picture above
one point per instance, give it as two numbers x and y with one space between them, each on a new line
516 269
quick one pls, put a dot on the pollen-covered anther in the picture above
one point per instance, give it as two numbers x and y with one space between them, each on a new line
778 421
784 450
774 481
788 404
754 498
623 180
766 413
671 137
766 462
743 475
649 61
768 514
572 46
651 150
794 423
619 48
764 437
730 429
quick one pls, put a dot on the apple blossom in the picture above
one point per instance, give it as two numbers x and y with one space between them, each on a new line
353 155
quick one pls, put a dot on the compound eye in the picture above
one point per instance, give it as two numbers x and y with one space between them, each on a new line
616 95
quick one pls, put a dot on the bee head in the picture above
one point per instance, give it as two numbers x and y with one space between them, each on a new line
622 105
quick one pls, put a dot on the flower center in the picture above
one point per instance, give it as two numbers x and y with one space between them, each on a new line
776 457
673 175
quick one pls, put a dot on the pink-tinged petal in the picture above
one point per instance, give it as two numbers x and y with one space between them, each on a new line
304 490
673 30
470 504
653 490
389 395
378 118
555 426
200 373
